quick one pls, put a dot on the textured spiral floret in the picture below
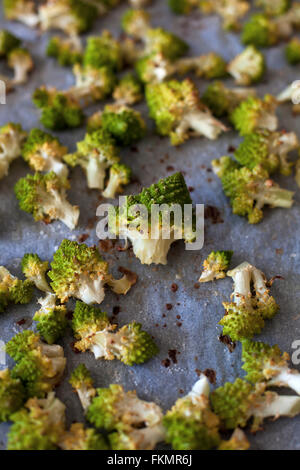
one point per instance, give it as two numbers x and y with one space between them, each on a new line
12 394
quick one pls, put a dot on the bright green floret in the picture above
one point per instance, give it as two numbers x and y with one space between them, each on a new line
292 51
216 265
253 114
59 111
12 395
35 270
51 318
135 22
260 31
274 7
91 83
221 100
71 16
119 176
79 438
37 426
64 50
210 66
182 7
125 125
103 51
13 290
247 67
8 42
129 90
78 271
81 380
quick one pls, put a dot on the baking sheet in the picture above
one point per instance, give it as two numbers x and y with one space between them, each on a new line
273 245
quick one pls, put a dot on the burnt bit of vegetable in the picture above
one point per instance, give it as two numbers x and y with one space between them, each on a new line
273 279
83 237
196 285
212 213
169 306
131 276
173 355
211 375
231 149
166 362
106 245
21 322
74 349
174 287
225 339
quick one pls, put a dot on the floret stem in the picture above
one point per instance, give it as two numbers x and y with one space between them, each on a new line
271 194
90 290
273 405
64 211
242 283
201 387
202 123
259 282
286 378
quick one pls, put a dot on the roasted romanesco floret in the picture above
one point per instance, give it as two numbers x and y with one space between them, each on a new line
260 31
102 51
37 426
12 138
38 365
91 83
246 314
59 110
254 113
190 424
44 196
8 42
51 319
238 441
43 152
80 438
130 344
119 175
21 10
231 11
81 381
13 290
235 403
210 66
264 363
274 7
292 51
21 62
128 91
96 153
222 100
250 190
66 51
12 395
137 424
70 16
247 67
179 113
269 149
35 270
216 265
124 124
151 243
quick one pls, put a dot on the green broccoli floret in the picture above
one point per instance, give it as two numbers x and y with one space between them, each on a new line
231 11
264 363
128 223
103 51
190 424
210 66
179 113
70 16
216 265
274 8
13 290
137 424
119 175
131 345
182 7
245 316
247 67
12 395
128 91
8 42
254 113
12 138
292 51
35 270
269 149
44 196
125 125
250 190
39 366
260 31
66 51
136 22
78 271
96 153
81 380
21 62
37 426
59 110
43 152
235 403
51 318
238 441
21 10
81 438
91 83
222 100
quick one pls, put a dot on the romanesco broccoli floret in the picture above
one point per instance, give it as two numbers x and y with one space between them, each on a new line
43 152
247 67
131 345
80 438
12 138
137 424
102 51
179 113
264 363
51 319
190 424
8 42
59 110
96 153
13 290
78 271
35 270
133 223
250 190
12 395
136 22
21 62
119 175
238 441
124 124
222 100
274 8
70 16
216 265
66 51
21 10
91 83
231 11
44 196
128 91
154 68
292 51
235 403
269 149
81 381
210 66
260 31
182 7
37 426
254 113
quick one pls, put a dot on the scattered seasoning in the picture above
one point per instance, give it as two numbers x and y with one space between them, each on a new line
213 213
178 317
169 306
165 325
91 223
179 324
198 372
164 315
173 355
174 287
209 170
225 339
231 149
197 285
211 375
166 362
116 310
170 168
209 180
279 251
83 237
191 189
156 324
181 391
21 322
106 245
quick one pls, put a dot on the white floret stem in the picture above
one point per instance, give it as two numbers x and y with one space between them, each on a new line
202 123
112 186
47 303
207 275
286 94
64 211
95 173
147 438
242 283
259 282
268 121
287 378
149 250
85 395
54 164
201 387
90 291
273 196
275 406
